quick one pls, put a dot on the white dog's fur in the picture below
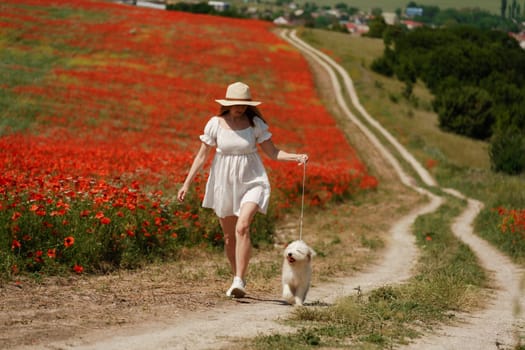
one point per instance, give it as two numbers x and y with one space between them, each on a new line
297 272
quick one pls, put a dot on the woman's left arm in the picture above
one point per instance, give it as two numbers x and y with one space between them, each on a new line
274 153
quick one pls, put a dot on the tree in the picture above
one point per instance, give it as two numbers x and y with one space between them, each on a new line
503 8
399 12
507 152
376 12
406 72
465 111
385 64
513 9
377 27
341 6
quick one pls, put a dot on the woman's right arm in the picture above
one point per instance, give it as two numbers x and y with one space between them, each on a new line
197 165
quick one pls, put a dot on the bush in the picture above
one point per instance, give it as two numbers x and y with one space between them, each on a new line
385 64
466 111
382 66
507 152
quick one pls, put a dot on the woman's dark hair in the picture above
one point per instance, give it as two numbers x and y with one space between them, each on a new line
251 112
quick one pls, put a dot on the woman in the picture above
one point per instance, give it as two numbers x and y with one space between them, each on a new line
238 185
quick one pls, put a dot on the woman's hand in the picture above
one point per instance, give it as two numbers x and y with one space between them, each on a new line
197 164
302 158
182 193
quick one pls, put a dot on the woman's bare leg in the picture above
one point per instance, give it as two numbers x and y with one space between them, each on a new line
243 241
228 228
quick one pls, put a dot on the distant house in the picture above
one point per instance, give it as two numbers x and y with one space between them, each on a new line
357 28
520 37
298 12
412 24
413 11
281 21
390 18
219 5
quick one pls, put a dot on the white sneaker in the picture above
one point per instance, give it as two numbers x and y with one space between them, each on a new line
237 288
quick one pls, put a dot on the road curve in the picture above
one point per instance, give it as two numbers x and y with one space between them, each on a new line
501 322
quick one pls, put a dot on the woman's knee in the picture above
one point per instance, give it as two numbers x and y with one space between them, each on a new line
228 225
242 228
248 210
229 238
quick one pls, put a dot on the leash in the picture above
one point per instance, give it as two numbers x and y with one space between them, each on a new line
302 204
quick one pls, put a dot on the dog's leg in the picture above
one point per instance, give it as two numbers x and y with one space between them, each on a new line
300 295
288 294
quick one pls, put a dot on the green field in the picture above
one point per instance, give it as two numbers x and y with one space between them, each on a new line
492 6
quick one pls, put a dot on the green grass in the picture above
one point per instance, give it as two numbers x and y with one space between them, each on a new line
19 69
448 281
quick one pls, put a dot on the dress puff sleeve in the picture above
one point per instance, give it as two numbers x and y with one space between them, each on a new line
210 132
261 130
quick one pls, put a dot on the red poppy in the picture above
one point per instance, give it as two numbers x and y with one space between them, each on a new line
15 244
69 241
78 269
105 221
52 253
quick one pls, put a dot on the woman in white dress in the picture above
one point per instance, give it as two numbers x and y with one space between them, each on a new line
238 185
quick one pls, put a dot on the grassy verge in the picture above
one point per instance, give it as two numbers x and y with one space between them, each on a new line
448 281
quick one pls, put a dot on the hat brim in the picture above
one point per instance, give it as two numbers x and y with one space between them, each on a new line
237 102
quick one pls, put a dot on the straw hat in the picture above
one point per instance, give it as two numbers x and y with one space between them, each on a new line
238 94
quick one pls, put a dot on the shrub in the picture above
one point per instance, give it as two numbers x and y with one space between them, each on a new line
465 111
507 152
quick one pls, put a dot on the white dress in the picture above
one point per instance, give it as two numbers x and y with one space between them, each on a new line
237 174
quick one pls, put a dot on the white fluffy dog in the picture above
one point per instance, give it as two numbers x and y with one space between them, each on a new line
297 272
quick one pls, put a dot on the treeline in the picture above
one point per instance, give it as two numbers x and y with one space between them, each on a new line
204 8
477 79
435 16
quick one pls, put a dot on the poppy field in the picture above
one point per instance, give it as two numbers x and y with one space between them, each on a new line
102 105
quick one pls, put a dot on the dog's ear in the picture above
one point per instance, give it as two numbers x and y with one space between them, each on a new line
311 253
